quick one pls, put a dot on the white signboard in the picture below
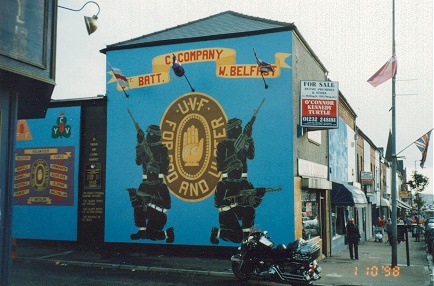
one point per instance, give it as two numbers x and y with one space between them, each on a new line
312 169
319 104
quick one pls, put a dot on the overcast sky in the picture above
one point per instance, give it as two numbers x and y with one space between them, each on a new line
353 39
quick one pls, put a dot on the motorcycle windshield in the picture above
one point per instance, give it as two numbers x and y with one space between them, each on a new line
265 241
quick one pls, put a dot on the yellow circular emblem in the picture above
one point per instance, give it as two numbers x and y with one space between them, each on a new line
39 175
192 126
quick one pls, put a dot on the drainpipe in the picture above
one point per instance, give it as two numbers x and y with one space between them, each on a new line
329 197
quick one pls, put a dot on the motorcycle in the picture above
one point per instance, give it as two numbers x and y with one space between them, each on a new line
292 264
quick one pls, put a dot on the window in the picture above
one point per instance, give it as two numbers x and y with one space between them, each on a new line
338 221
310 215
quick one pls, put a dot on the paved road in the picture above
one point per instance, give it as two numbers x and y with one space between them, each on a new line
71 265
49 274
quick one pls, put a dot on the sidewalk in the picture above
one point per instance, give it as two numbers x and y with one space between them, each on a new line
372 268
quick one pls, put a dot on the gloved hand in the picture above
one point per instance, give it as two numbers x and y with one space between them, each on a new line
140 136
260 192
140 149
254 201
248 129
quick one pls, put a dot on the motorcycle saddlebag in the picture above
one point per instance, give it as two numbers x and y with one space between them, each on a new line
306 252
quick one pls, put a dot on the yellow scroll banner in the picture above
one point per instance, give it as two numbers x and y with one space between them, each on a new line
225 66
40 151
45 200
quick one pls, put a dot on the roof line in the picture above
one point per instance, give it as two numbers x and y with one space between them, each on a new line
194 39
284 27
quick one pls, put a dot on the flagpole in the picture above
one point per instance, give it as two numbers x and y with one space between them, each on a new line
265 84
192 89
179 71
394 190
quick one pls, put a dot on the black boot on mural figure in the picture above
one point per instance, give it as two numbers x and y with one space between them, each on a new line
214 233
141 234
170 235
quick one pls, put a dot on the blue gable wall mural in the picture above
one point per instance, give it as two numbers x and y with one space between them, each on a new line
46 175
225 83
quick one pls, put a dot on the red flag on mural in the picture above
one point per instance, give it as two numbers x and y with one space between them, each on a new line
120 78
387 71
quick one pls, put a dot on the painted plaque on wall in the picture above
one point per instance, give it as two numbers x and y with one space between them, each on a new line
44 176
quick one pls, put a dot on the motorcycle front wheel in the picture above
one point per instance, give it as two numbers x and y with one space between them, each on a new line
237 271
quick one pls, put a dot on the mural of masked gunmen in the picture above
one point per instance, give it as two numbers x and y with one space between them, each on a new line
151 203
238 145
151 149
234 206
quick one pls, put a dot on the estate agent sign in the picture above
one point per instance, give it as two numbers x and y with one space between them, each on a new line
319 104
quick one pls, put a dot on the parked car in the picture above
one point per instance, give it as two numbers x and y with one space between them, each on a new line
429 223
429 241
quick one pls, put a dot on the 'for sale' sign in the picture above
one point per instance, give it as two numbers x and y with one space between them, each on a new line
319 103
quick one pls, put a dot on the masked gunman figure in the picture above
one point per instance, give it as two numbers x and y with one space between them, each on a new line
151 149
151 203
153 195
238 145
234 206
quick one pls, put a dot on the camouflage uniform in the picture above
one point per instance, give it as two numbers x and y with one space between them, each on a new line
226 153
152 149
151 203
152 200
233 208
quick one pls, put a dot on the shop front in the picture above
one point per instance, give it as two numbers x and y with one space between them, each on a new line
386 208
347 201
314 198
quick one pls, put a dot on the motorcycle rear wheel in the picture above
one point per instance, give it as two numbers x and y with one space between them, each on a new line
237 272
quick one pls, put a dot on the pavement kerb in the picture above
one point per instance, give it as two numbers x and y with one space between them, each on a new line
134 267
429 259
130 267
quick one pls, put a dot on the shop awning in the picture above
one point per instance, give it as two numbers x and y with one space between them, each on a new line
402 205
384 202
347 195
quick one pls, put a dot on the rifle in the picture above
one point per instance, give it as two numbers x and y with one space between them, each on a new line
148 198
140 132
136 125
240 143
252 192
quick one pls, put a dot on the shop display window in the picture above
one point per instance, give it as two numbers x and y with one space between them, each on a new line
310 215
338 221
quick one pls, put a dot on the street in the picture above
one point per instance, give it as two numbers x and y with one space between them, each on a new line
64 264
46 274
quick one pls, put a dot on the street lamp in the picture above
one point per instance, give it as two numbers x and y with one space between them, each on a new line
90 22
